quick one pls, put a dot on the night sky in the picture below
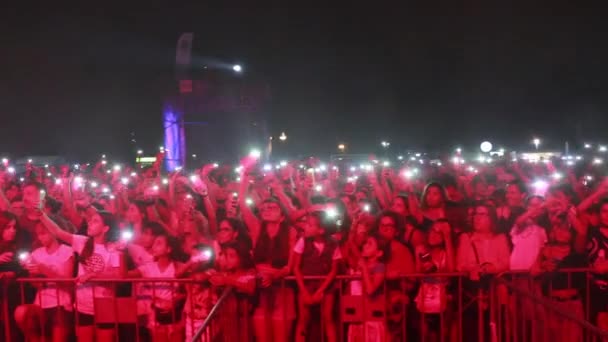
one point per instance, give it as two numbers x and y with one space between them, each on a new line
76 82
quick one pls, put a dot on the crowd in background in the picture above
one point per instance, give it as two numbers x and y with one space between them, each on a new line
251 225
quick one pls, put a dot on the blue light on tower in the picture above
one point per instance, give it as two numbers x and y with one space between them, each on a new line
174 146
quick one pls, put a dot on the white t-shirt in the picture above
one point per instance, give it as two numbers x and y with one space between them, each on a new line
162 290
101 261
141 291
320 246
50 296
527 245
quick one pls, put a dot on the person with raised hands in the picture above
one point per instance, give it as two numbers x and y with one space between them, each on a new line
97 258
167 298
52 308
273 238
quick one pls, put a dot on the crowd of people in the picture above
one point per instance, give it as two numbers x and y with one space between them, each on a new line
279 235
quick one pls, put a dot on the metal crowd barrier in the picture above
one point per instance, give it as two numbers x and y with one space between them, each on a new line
514 306
536 311
211 328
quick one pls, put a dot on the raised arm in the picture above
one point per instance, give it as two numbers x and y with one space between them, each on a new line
252 222
599 193
277 190
378 190
68 199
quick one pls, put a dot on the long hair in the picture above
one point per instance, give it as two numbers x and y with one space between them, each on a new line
242 233
425 192
399 224
491 215
5 218
277 249
173 243
243 253
108 220
383 246
142 208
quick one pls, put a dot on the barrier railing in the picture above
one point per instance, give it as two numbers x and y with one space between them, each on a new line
553 306
414 307
210 328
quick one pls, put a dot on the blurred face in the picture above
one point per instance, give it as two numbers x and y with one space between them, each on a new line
133 214
232 260
43 235
535 203
225 233
361 232
9 232
12 192
370 248
481 220
481 190
361 196
95 226
435 237
604 215
185 202
32 197
271 212
349 188
490 189
147 239
594 219
399 206
312 227
189 228
434 198
514 197
17 207
387 228
160 247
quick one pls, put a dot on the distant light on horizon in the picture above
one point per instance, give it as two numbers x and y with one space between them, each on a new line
255 153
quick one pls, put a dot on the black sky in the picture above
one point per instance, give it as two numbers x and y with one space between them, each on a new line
77 81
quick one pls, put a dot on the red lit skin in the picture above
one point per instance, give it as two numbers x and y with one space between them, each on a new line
370 253
9 232
399 206
307 299
482 230
515 198
434 204
233 275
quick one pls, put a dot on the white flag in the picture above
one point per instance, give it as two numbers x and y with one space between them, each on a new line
184 49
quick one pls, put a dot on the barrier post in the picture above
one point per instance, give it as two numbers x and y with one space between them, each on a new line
5 311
